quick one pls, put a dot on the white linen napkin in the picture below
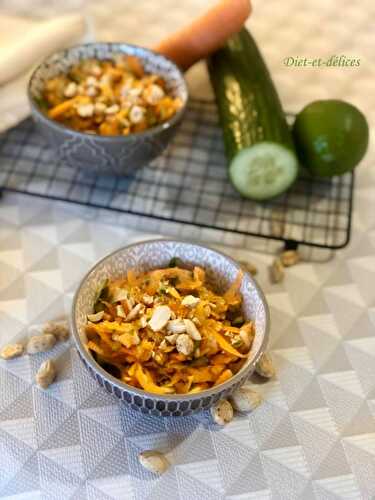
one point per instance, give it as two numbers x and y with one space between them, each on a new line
24 43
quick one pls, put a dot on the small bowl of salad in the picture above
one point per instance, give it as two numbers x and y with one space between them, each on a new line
169 327
107 107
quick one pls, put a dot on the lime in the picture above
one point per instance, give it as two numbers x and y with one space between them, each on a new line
331 137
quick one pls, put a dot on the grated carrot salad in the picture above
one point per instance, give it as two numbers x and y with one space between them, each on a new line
109 97
167 332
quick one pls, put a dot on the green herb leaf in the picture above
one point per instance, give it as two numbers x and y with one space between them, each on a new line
101 294
99 306
237 343
173 281
200 361
175 262
75 78
42 103
238 321
163 287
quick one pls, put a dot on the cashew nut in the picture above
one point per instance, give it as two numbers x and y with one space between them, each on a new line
192 330
222 412
190 301
95 318
176 326
185 344
46 374
154 461
277 271
40 343
289 258
245 399
265 367
160 318
11 351
59 329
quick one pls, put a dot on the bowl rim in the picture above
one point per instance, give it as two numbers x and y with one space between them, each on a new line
167 397
108 138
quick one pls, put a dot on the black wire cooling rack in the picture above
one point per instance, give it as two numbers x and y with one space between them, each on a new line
188 185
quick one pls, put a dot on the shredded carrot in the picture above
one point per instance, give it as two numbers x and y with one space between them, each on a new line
226 375
199 274
198 388
217 369
173 292
226 346
132 278
145 380
178 357
203 374
93 346
233 329
132 369
61 108
231 296
223 358
112 326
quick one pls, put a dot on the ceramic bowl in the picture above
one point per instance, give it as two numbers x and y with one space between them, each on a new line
115 154
221 270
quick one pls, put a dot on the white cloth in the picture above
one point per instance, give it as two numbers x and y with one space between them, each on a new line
23 44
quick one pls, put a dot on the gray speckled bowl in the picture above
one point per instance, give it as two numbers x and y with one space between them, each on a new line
106 154
220 270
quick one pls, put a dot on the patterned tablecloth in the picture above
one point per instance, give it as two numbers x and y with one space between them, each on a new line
314 436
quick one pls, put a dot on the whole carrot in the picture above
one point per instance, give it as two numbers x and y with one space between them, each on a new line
205 34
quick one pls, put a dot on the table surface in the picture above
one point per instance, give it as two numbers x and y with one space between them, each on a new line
314 436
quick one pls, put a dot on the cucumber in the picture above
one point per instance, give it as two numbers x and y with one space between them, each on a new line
257 138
